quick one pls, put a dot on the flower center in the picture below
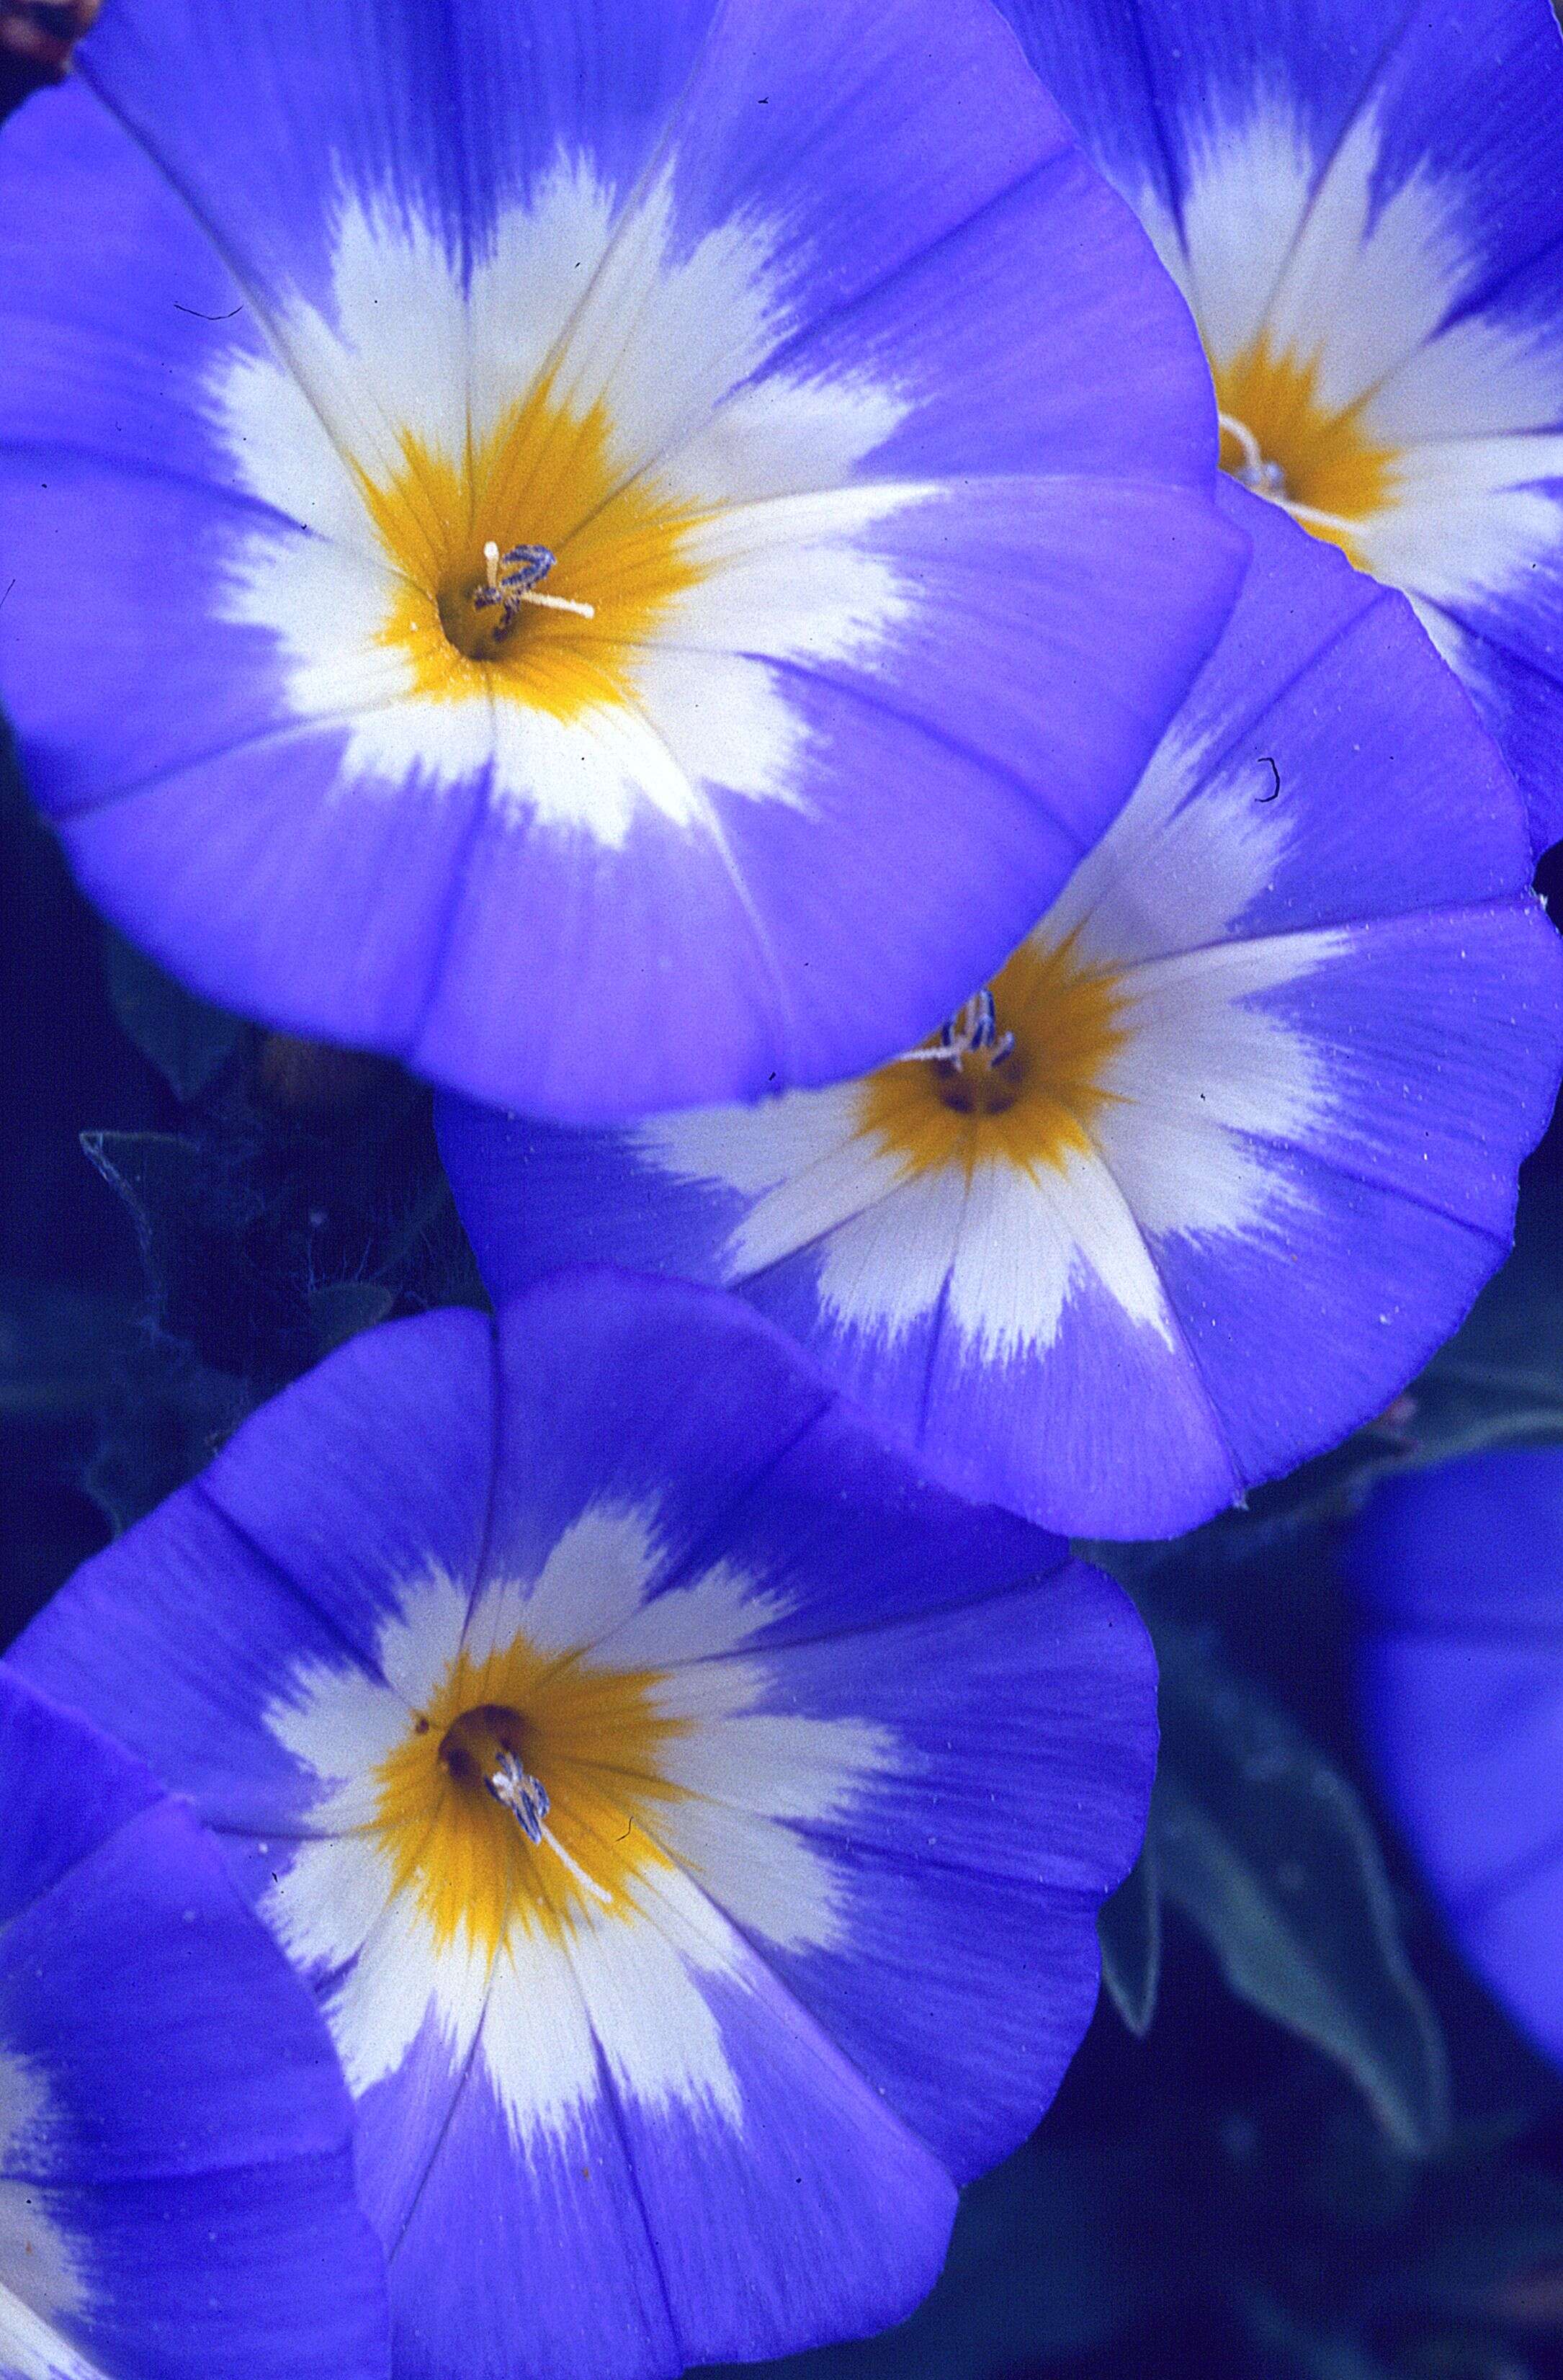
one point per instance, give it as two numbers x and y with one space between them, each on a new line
1279 438
485 1748
1015 1076
533 567
526 1794
978 1069
491 609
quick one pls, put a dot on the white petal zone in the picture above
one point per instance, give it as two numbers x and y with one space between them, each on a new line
526 294
594 1579
334 1911
886 1269
1481 378
1362 288
1246 192
589 1603
1465 526
1375 281
745 1772
31 2348
1174 1135
41 2268
669 345
1030 1239
686 1627
1182 862
1314 264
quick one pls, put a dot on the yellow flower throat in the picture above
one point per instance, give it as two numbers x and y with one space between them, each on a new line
1279 438
1028 1099
545 478
588 1737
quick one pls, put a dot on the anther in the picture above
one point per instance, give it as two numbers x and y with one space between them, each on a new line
511 579
974 1026
526 1797
1266 479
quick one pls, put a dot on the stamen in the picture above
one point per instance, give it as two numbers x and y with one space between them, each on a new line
1266 478
557 1848
526 1797
974 1026
1313 518
512 579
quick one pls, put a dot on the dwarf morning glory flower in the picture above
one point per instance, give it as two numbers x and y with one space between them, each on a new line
692 1823
176 2158
1460 1572
1225 1154
1362 203
614 548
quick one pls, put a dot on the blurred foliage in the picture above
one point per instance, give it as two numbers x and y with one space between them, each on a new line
1299 2139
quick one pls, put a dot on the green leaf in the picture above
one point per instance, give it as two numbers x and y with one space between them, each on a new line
1486 2241
1055 2253
1499 1381
1130 1928
1295 2347
193 1215
343 1308
157 1436
61 1350
1268 1850
187 1039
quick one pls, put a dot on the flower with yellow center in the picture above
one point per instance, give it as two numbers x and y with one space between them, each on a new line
1348 195
690 1821
525 1790
548 482
611 556
1194 1183
1025 1094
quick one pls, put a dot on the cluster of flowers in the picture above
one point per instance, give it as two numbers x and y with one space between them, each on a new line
640 555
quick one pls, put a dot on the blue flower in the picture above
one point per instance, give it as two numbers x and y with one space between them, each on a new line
1362 203
692 1823
617 549
1226 1154
176 2158
1461 1574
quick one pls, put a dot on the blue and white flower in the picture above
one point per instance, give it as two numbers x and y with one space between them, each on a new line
1461 1576
175 2152
692 1823
1223 1155
614 550
1362 203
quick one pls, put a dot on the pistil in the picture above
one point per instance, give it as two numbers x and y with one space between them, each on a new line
526 1797
1268 478
972 1029
511 579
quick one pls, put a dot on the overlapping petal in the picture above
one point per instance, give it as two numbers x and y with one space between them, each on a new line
850 403
1461 1576
1363 203
175 2159
1283 1039
816 1757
